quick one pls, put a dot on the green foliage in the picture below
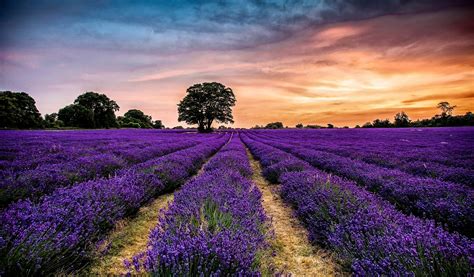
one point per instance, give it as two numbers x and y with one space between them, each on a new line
103 109
274 125
90 110
367 125
157 124
444 119
52 121
402 120
205 103
212 219
135 119
128 123
76 116
18 110
378 123
299 125
313 126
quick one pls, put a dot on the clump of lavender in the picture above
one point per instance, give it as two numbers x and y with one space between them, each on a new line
216 224
368 234
60 231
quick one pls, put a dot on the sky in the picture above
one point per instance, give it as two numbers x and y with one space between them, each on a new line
310 62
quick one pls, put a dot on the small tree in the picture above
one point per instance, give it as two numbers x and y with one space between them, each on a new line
157 124
330 126
446 108
137 117
205 103
274 125
52 121
378 123
402 120
299 126
367 125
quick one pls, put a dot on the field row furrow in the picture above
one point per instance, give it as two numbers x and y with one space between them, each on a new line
446 147
44 180
59 232
216 225
368 234
391 158
447 203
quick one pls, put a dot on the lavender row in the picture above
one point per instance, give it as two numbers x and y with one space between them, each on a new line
368 235
216 225
22 150
59 232
448 146
15 185
389 157
447 203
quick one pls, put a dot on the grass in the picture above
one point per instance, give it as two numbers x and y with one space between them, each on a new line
128 239
291 252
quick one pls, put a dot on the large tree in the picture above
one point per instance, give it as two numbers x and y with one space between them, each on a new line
75 115
103 109
205 103
18 110
90 110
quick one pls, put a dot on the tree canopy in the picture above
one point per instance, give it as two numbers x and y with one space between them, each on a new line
157 124
75 115
18 110
52 121
402 120
103 109
446 108
205 103
90 110
135 119
274 125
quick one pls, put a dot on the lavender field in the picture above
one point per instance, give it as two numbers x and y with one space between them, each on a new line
363 201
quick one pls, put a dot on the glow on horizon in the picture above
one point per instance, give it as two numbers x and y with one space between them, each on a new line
342 73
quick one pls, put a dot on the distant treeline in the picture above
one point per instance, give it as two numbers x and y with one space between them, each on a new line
93 110
444 119
401 120
89 110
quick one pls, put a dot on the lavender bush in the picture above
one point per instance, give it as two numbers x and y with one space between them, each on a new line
215 226
368 234
448 203
70 161
59 232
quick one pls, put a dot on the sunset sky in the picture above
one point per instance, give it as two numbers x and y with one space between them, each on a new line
310 62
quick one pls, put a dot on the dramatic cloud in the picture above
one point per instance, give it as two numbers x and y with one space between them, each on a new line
315 62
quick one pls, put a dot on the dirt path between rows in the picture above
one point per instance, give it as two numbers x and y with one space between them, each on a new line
130 235
293 253
129 238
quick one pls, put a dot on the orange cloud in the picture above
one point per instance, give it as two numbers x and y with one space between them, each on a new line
343 73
